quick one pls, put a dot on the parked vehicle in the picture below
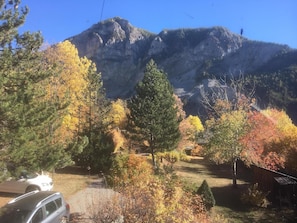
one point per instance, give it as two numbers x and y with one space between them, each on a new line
36 207
27 182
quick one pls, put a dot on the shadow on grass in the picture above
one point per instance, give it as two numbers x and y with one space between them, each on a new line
75 170
222 170
227 198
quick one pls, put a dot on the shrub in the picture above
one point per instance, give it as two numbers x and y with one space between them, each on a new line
206 194
255 197
189 186
147 197
197 151
218 218
129 170
166 160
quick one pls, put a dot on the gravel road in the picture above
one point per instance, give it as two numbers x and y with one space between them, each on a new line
83 204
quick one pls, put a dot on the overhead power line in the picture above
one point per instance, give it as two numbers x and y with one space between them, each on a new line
102 10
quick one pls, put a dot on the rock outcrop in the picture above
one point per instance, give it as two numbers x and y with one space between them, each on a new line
188 56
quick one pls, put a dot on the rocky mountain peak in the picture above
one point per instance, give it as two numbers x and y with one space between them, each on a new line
188 56
108 33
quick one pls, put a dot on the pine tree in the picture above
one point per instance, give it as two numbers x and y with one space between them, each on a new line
207 196
26 116
98 152
153 111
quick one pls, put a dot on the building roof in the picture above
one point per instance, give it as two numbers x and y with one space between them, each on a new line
285 181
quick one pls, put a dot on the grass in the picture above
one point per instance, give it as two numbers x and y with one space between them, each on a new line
228 202
71 180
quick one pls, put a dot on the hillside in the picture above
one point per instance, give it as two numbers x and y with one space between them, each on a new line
190 57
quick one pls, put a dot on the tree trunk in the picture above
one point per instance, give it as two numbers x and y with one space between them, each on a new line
153 158
153 150
234 168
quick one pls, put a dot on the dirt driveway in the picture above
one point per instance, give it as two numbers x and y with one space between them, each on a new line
85 203
6 197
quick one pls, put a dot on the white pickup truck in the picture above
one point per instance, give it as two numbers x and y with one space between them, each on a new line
26 183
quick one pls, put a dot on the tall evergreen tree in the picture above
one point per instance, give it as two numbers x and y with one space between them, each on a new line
97 154
26 115
153 111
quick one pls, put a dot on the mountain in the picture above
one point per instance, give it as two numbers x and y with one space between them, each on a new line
190 57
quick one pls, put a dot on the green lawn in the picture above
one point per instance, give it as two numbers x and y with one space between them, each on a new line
228 202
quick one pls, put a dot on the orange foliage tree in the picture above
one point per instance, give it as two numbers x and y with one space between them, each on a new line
271 140
287 144
262 133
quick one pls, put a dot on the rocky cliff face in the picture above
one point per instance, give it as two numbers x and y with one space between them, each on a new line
118 50
121 52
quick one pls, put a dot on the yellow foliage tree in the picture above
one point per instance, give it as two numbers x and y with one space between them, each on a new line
116 120
196 123
118 114
189 128
285 146
281 120
70 85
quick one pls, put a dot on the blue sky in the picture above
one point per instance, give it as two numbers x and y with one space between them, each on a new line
263 20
